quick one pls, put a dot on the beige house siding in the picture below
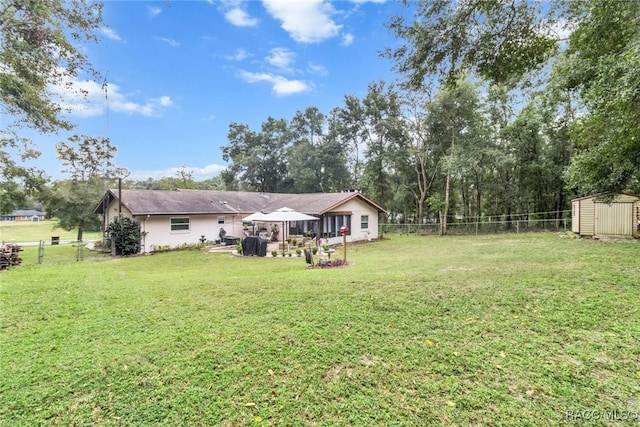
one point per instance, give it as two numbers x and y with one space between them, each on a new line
358 209
157 232
173 218
156 229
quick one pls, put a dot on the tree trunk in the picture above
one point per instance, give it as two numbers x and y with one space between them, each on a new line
445 212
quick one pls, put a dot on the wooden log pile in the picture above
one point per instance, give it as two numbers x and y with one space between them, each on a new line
9 256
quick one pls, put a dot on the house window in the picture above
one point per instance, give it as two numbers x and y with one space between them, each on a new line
220 220
331 225
179 224
364 222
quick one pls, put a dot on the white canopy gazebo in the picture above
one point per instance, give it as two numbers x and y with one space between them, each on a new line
283 215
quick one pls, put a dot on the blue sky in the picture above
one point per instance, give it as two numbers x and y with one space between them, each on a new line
179 72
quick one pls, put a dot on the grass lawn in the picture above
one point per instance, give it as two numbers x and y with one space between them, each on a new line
493 330
27 231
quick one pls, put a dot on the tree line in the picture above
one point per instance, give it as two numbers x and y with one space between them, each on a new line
461 151
500 108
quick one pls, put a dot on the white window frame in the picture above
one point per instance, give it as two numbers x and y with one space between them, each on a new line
185 220
364 222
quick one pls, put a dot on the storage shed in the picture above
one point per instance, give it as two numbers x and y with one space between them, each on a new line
592 216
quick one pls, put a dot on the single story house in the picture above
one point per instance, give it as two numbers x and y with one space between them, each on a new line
592 216
24 215
171 218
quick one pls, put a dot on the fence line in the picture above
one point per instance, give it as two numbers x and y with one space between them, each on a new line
480 227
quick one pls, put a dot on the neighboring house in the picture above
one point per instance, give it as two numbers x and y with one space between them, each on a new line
171 218
591 216
24 215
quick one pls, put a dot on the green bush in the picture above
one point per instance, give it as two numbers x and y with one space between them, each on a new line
124 233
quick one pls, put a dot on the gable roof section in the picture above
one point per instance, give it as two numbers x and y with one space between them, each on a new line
25 212
199 202
624 197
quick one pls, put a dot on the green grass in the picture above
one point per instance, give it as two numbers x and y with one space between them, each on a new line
492 330
26 231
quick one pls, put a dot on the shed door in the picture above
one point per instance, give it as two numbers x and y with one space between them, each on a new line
616 218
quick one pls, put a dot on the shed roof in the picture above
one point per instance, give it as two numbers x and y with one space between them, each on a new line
622 197
194 202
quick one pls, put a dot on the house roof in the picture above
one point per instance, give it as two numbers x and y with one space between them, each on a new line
194 202
25 212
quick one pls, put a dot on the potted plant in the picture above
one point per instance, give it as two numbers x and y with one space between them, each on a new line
274 253
314 250
299 252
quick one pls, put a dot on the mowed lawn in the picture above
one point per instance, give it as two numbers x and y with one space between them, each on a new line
502 330
27 231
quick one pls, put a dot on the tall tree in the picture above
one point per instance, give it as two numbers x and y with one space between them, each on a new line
454 120
499 41
503 42
344 127
417 169
382 131
90 163
17 182
304 165
258 158
604 69
39 51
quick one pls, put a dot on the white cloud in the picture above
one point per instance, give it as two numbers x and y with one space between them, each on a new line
236 14
347 39
239 55
306 21
170 42
199 173
165 101
93 103
110 33
320 70
153 11
240 18
281 86
281 58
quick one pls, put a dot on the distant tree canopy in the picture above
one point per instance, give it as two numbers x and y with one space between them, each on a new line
90 163
40 54
510 43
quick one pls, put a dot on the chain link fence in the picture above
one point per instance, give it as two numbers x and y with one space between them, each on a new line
479 227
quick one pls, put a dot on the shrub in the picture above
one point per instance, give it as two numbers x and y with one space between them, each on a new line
125 235
274 253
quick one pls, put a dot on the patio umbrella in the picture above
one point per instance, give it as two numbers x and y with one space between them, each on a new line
253 218
284 215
